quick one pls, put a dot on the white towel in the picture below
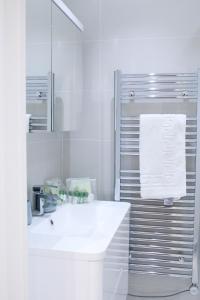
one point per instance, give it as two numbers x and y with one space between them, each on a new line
162 156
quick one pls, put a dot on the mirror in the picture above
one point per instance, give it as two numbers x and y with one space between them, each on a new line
54 68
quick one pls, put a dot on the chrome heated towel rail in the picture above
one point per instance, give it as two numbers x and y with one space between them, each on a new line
163 240
40 92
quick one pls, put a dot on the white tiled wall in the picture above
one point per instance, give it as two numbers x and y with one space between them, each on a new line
148 18
134 36
44 158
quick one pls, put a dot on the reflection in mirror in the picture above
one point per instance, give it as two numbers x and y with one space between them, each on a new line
38 62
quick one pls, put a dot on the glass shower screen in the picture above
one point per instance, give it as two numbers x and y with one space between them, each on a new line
54 66
67 70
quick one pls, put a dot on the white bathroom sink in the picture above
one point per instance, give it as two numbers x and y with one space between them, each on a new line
86 228
76 253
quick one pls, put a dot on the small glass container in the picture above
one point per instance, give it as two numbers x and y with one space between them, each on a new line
81 190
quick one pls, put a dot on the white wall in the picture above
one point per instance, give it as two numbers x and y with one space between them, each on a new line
134 36
13 249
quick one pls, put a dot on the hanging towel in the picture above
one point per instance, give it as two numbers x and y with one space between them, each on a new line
162 156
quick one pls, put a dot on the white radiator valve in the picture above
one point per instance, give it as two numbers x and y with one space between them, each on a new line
194 290
168 202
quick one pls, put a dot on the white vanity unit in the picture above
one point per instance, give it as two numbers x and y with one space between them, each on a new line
80 252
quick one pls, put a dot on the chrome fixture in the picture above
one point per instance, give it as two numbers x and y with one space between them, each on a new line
163 240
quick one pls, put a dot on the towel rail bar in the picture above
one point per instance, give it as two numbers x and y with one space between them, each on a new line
181 97
132 132
182 75
154 241
158 273
163 256
137 154
137 119
144 228
188 200
136 147
138 126
161 249
155 208
160 222
164 237
137 178
160 81
165 270
138 260
188 173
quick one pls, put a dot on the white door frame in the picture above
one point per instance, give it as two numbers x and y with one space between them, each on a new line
13 244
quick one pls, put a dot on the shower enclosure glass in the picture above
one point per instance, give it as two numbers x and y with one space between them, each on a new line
38 63
54 66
